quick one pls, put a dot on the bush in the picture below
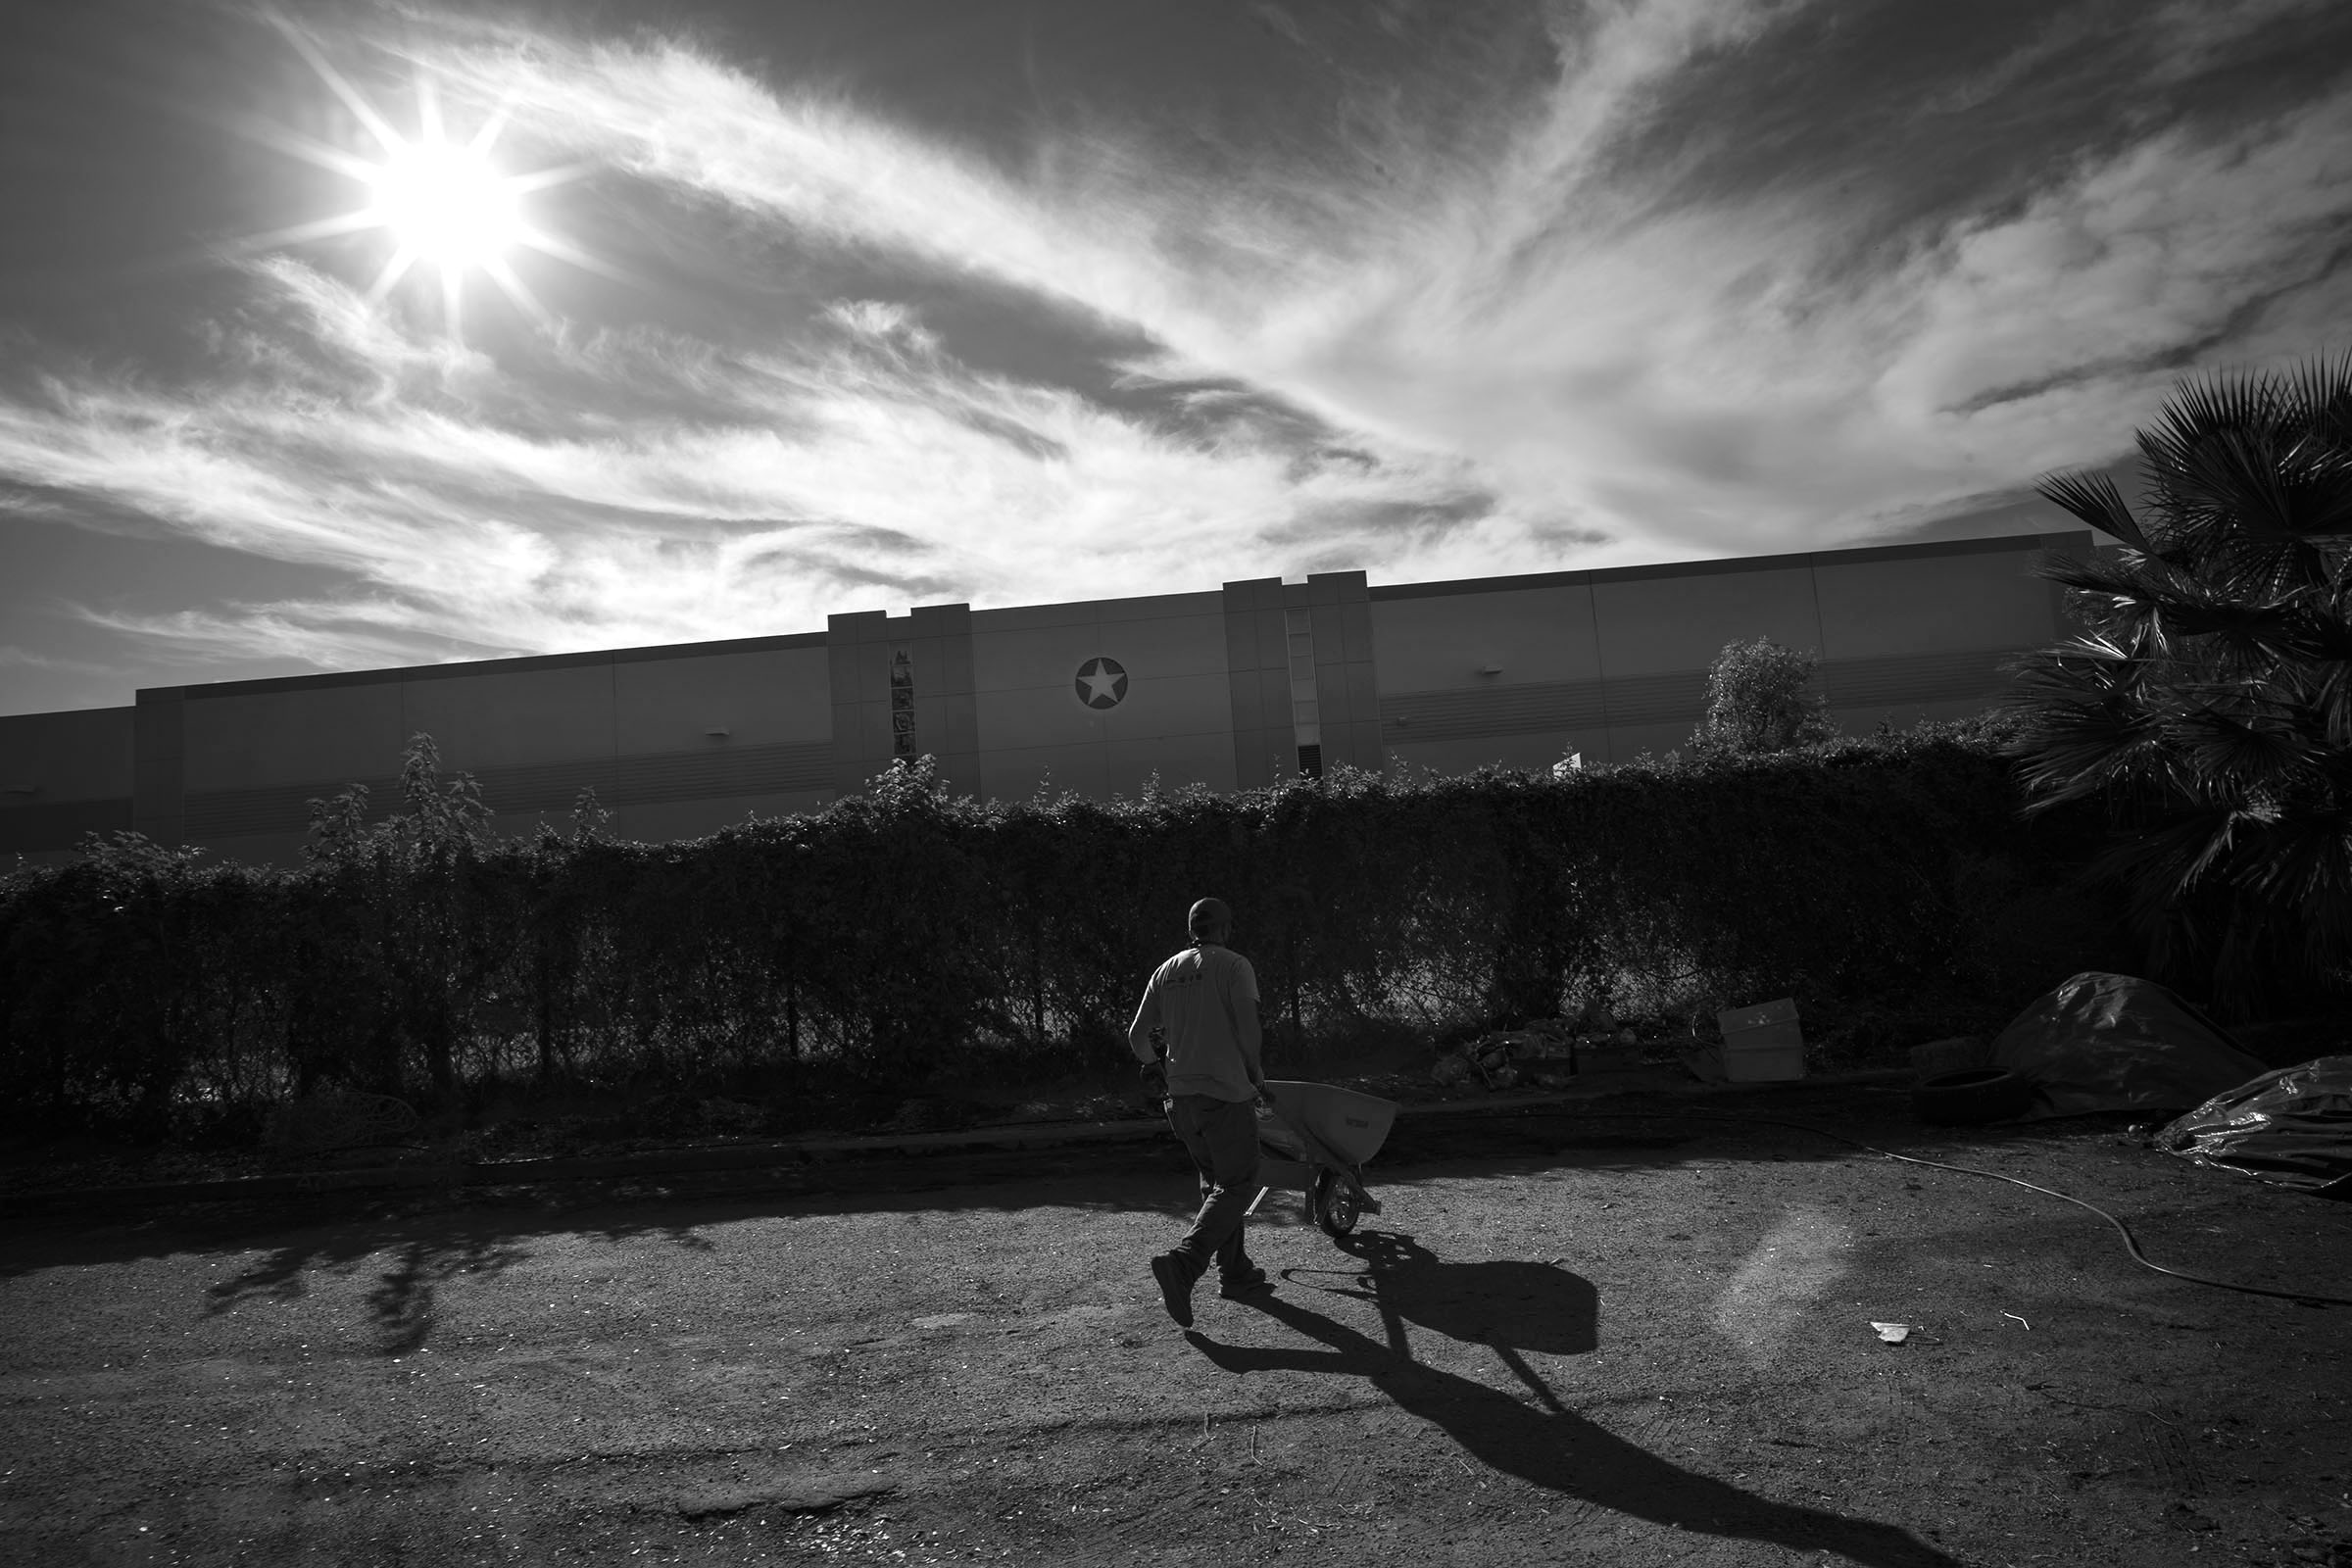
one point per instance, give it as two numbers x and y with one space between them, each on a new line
901 932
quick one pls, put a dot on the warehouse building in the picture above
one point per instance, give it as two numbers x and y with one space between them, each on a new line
1231 689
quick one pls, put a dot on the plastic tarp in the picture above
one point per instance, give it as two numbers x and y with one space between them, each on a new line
2292 1127
2114 1042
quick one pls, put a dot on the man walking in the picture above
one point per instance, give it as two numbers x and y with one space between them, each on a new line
1204 1001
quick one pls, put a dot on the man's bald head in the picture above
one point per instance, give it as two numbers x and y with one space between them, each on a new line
1210 921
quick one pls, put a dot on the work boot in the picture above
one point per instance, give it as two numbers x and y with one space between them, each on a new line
1240 1287
1175 1287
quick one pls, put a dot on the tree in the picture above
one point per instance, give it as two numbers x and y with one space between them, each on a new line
400 935
2208 698
1760 700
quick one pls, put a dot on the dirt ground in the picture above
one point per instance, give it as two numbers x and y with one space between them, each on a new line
1566 1340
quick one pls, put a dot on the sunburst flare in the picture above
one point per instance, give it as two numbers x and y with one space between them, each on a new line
442 200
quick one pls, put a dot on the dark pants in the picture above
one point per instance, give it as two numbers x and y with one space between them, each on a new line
1221 1136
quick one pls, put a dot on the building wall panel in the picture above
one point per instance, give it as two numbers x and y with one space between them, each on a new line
1024 717
1028 658
77 755
1434 644
1927 604
1682 622
507 718
1179 760
1015 773
1171 706
246 741
1167 645
32 828
1031 617
665 704
1622 742
1160 607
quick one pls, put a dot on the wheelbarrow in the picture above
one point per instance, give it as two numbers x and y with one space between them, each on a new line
1317 1139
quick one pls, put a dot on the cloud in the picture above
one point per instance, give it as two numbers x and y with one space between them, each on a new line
14 658
881 469
1478 323
328 635
1684 375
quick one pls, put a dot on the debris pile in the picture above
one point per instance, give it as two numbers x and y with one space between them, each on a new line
333 1119
1548 1053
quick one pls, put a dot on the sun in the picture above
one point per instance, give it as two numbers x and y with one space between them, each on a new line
448 205
443 202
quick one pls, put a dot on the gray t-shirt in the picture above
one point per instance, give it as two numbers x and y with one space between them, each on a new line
1205 999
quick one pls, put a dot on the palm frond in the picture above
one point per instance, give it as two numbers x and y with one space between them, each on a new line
2234 621
2092 495
2234 755
2239 479
2330 700
2320 391
2078 734
2304 868
2161 865
2202 408
2254 469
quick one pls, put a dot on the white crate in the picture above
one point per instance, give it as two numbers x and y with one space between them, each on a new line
1762 1044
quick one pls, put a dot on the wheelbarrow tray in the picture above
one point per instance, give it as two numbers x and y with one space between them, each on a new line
1314 1138
1350 1126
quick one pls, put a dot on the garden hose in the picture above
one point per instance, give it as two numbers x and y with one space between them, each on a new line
2131 1242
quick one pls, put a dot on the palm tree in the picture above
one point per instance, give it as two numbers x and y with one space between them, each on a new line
2208 698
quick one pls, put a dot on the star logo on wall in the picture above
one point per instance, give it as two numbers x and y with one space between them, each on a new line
1102 683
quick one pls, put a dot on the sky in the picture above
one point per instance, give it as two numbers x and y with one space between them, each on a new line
355 334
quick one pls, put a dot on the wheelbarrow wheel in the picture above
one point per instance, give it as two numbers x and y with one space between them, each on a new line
1336 1208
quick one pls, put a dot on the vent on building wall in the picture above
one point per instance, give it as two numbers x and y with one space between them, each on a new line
1311 761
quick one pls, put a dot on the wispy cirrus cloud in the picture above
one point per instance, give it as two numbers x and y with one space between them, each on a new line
11 656
1493 316
881 464
1698 377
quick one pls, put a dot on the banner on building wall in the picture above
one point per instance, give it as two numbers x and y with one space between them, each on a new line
902 701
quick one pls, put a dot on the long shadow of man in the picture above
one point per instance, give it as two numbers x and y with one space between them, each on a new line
1518 1306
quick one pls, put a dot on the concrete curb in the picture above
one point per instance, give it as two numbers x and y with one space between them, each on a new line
816 1150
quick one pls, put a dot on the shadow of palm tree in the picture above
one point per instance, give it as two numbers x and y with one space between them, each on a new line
1517 1306
401 1306
402 1303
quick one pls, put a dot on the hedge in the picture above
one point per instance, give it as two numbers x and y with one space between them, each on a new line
1887 884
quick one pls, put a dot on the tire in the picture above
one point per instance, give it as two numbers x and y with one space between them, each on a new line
1336 1208
1970 1099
